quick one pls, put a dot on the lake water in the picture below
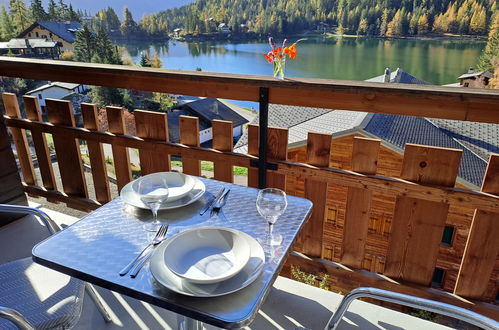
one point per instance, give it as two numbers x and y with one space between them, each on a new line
436 61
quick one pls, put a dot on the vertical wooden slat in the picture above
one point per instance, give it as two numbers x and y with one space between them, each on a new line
11 188
277 148
318 154
222 141
364 160
40 142
253 143
418 224
67 149
482 246
152 126
189 135
116 124
20 139
96 154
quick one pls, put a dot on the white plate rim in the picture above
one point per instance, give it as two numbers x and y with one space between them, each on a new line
257 252
128 190
187 178
213 281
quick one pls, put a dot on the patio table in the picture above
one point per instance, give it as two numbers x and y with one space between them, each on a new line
98 246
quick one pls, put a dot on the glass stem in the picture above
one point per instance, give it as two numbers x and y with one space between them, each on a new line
271 229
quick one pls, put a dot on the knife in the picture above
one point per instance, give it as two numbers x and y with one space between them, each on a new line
210 203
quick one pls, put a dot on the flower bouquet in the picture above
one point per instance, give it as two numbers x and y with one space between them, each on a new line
277 56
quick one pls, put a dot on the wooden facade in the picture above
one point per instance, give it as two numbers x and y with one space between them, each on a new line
370 189
381 217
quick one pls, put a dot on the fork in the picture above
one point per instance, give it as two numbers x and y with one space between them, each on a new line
217 206
160 234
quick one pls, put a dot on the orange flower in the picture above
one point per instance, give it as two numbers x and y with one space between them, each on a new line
269 57
291 51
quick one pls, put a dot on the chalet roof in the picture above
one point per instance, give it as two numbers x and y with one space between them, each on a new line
399 76
206 110
284 116
486 74
68 86
27 43
65 30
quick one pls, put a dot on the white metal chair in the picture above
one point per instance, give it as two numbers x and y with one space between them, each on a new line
33 296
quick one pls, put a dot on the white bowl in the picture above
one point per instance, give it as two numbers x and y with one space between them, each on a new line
207 255
179 184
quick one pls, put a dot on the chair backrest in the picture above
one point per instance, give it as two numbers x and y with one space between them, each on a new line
11 188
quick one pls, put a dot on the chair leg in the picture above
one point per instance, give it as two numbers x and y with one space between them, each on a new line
98 302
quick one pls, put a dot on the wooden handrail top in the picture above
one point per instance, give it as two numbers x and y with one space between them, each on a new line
395 186
481 105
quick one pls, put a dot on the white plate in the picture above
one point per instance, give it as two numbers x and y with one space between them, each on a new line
179 184
129 196
207 255
245 277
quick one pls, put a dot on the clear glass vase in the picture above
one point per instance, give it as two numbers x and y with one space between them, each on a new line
279 65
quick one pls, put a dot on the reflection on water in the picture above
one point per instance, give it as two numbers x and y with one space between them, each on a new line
436 61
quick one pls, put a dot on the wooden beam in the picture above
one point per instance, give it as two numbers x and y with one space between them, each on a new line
418 100
364 160
347 279
312 235
20 139
482 246
152 126
189 135
387 185
67 149
40 143
96 154
116 125
223 141
418 224
79 203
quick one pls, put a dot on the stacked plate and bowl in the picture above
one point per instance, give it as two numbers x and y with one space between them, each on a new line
204 261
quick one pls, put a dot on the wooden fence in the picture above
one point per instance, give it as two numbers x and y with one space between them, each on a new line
423 193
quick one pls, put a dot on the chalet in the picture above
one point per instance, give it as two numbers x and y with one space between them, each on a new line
223 28
62 32
206 110
477 141
176 32
474 79
39 48
56 90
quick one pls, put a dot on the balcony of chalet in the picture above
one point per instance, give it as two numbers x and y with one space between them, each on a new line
406 220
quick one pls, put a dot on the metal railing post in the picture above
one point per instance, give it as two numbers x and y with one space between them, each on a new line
262 147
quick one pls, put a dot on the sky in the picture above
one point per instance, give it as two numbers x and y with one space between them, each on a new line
137 7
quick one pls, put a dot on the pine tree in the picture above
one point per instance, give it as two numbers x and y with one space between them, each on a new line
73 15
52 11
423 25
128 27
490 54
384 23
84 45
20 15
144 61
62 10
37 11
7 30
105 49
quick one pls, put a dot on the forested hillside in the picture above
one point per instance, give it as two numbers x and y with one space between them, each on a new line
362 17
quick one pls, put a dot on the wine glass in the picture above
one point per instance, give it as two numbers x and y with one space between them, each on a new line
153 191
271 204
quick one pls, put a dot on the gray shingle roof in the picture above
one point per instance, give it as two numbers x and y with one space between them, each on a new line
65 30
400 130
399 76
481 138
284 116
206 110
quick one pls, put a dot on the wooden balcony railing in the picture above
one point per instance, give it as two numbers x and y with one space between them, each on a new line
424 192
